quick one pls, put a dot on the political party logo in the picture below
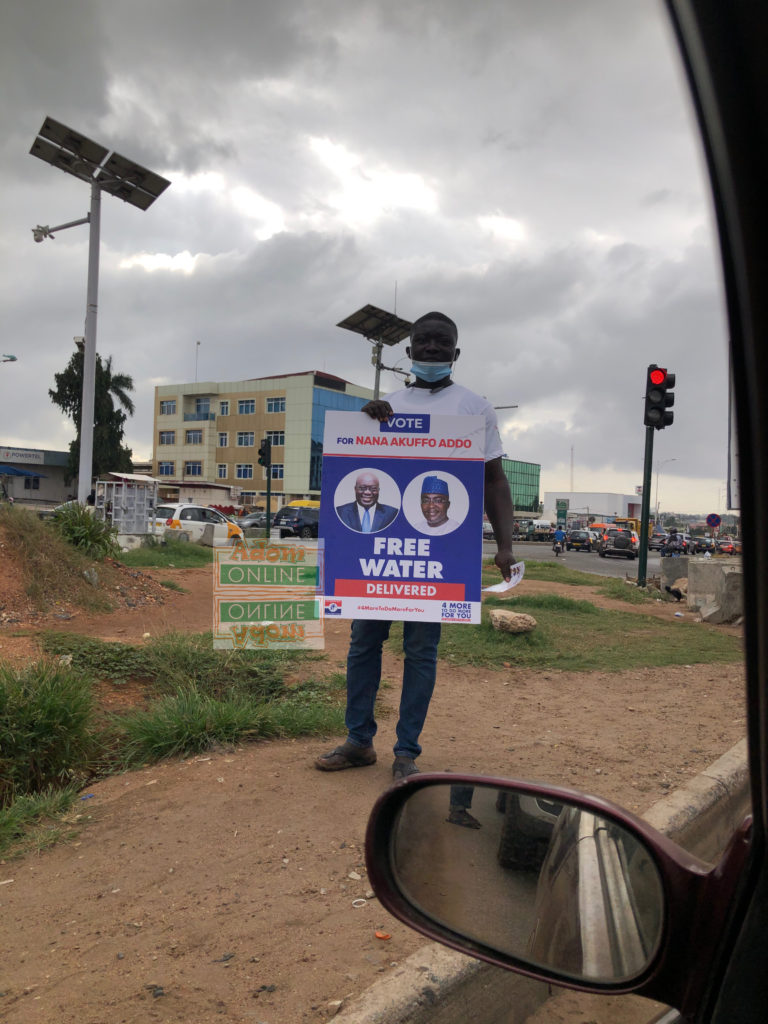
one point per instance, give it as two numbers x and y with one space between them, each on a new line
406 423
332 607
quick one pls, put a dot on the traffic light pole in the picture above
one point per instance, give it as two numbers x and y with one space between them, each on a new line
645 514
269 500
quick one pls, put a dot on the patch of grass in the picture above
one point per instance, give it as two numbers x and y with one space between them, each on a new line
575 636
173 585
52 736
557 572
172 555
52 569
189 722
621 591
549 572
179 661
47 730
34 822
100 658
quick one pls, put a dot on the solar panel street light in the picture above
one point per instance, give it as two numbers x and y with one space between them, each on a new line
76 154
379 328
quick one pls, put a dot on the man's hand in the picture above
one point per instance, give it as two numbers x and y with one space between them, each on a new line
378 409
504 560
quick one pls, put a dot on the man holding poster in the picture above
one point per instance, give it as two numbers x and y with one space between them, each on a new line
433 351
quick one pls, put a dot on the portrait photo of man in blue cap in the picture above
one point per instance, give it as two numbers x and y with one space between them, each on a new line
435 502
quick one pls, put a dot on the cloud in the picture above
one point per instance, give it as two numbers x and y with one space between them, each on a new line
530 168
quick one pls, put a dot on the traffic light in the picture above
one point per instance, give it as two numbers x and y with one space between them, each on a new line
659 398
265 453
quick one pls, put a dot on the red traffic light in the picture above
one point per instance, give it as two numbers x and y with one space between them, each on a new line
657 376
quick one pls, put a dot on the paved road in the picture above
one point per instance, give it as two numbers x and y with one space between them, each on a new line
585 561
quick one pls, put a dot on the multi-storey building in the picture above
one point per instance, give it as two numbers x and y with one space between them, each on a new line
206 439
524 483
208 434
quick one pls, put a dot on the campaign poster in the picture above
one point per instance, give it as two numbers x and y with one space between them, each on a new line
401 516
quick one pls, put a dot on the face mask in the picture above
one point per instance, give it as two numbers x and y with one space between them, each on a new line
431 372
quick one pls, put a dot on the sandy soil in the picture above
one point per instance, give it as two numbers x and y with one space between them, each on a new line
221 888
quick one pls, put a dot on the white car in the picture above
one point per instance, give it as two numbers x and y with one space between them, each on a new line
190 521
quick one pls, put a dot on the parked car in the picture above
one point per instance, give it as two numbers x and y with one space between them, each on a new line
295 521
578 540
190 521
618 541
487 529
618 907
254 520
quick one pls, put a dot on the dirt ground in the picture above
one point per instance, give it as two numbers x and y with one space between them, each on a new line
221 888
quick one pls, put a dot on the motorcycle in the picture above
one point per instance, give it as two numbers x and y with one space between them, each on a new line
557 547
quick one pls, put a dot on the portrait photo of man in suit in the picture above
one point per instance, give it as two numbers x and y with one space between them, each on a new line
365 514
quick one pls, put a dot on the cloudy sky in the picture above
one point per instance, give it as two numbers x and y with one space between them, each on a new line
529 167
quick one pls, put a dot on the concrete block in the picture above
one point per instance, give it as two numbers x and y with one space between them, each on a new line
671 569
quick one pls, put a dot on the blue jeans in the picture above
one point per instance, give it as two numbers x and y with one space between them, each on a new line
420 640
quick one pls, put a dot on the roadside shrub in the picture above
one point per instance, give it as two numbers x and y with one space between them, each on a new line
47 733
94 537
190 722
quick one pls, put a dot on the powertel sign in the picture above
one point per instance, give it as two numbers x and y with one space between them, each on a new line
268 595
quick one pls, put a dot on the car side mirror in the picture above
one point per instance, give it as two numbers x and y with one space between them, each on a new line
548 882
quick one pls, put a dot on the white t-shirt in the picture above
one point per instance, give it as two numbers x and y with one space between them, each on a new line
454 400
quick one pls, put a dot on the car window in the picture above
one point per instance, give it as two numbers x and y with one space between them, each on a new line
165 511
191 515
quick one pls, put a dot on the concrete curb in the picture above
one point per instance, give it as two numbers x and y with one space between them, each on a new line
436 985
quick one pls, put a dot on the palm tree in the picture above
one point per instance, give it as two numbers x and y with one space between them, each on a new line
111 398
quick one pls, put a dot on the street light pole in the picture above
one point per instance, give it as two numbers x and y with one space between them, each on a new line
89 354
89 161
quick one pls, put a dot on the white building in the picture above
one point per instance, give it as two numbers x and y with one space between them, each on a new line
599 506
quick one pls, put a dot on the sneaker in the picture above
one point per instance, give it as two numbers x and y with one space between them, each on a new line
403 767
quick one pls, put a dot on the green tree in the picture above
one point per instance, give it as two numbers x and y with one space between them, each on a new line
112 406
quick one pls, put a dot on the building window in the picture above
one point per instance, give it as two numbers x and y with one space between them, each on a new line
276 436
168 408
31 483
167 437
194 437
246 405
247 497
202 406
193 469
221 471
166 468
244 471
245 438
224 408
277 470
223 439
276 404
